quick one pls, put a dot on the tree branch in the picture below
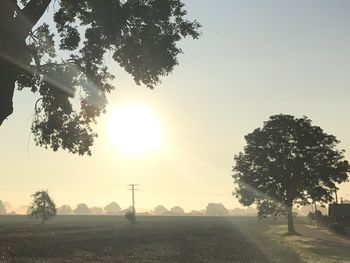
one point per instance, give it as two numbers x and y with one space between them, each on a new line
31 14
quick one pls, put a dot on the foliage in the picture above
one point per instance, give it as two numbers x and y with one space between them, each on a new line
42 206
160 210
2 208
64 210
82 209
71 77
177 210
214 209
112 209
286 162
131 217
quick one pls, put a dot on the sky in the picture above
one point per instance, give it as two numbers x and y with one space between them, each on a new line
253 60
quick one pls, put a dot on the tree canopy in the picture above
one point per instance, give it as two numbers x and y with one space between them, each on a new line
43 206
2 208
82 209
112 209
216 209
65 66
64 210
286 162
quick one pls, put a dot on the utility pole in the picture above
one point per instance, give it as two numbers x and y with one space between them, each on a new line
133 189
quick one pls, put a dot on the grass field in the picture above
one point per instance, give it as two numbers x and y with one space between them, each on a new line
153 239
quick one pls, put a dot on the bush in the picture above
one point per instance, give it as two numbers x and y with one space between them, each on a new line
130 216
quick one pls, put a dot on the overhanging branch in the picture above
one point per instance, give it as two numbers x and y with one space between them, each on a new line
31 14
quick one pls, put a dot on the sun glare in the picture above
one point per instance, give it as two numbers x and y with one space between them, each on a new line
134 129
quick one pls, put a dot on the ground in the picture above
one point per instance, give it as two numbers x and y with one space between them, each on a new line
315 244
153 239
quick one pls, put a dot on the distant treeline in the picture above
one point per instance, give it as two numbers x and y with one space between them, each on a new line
113 208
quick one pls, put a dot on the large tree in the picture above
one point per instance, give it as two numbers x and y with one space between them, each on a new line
141 36
286 162
42 206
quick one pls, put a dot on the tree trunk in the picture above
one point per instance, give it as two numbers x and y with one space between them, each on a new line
291 229
14 53
7 87
7 48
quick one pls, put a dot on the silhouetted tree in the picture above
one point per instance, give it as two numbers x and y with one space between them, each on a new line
177 210
216 209
42 206
9 208
82 209
160 210
65 210
2 208
196 213
112 209
96 210
131 217
141 35
288 161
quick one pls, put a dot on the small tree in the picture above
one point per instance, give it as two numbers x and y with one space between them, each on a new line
2 208
214 209
131 217
112 209
160 210
82 209
42 206
65 210
177 210
286 162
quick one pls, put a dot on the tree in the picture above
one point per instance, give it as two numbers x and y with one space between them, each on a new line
160 210
112 209
216 209
286 162
142 35
82 209
2 208
65 210
42 206
96 210
177 210
131 217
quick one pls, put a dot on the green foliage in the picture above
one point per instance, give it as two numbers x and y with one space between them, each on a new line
286 162
42 206
142 35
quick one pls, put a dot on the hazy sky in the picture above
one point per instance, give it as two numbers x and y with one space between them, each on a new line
254 59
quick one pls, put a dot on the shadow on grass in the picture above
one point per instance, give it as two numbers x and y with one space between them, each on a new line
313 249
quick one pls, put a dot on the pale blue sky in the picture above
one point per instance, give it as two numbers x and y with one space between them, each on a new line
254 59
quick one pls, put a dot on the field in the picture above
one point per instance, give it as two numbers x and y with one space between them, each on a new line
153 239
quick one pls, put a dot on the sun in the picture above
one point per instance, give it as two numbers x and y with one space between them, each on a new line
134 129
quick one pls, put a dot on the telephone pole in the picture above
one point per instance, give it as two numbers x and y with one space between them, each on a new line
133 189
